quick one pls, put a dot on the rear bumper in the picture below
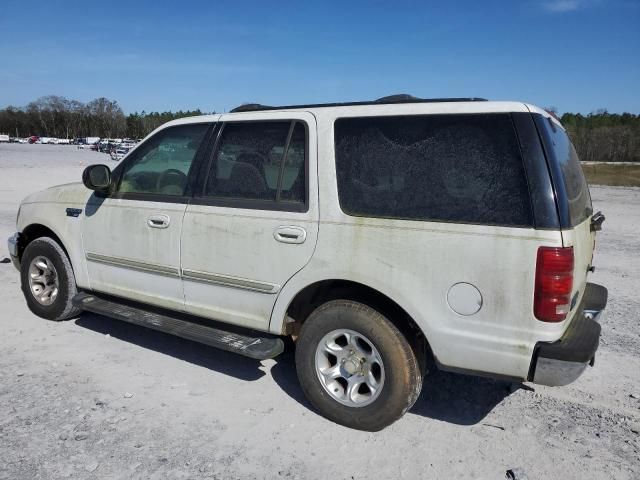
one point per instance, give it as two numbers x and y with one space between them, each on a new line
561 362
13 244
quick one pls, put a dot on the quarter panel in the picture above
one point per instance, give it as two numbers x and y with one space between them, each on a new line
416 266
415 263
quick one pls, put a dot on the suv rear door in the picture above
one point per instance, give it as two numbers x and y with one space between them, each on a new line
253 222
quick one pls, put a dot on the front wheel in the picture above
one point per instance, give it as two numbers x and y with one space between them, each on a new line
48 283
356 367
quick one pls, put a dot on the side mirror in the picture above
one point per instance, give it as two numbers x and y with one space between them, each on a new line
97 177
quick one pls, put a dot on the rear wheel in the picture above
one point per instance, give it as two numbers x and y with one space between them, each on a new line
356 367
47 279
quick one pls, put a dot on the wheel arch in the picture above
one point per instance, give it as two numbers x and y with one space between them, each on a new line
315 294
34 231
71 246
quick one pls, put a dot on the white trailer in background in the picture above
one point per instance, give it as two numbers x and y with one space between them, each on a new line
4 138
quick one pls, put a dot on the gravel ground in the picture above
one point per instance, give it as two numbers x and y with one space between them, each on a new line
96 398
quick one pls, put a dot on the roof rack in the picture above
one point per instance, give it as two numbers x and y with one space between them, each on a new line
391 99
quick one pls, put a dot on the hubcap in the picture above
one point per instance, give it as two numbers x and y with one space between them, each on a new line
43 280
349 368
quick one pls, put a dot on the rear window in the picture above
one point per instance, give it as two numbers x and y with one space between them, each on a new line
575 183
450 168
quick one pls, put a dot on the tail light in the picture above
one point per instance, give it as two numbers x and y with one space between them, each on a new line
554 283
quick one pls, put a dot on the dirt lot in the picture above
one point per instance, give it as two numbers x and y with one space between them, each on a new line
620 175
96 398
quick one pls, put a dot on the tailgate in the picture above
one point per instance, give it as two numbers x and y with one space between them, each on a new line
573 200
582 239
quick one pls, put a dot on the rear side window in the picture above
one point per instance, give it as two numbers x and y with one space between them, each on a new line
451 168
260 161
575 183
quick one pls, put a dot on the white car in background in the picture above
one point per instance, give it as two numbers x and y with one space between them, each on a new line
119 153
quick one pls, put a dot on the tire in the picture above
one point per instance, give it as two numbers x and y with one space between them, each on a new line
397 381
52 307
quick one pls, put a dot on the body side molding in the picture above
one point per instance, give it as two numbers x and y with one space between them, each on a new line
229 281
133 264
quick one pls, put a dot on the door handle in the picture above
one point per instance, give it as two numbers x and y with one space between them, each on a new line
290 234
158 221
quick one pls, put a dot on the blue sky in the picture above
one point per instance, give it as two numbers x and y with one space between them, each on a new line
576 55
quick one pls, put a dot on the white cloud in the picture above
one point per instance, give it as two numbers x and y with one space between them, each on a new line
558 6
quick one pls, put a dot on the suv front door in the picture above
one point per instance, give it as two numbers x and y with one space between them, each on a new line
254 222
131 237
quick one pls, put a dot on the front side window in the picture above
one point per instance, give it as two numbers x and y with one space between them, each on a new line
450 168
161 165
260 161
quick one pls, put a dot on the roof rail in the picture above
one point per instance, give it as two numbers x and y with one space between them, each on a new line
251 107
398 98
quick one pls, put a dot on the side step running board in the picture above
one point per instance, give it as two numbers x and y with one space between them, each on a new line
258 347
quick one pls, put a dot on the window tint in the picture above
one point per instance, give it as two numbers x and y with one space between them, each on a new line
161 165
260 161
453 168
573 177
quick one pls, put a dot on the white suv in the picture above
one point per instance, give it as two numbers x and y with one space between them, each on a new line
386 238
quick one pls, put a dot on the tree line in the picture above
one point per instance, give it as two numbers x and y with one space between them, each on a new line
598 136
604 137
56 116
